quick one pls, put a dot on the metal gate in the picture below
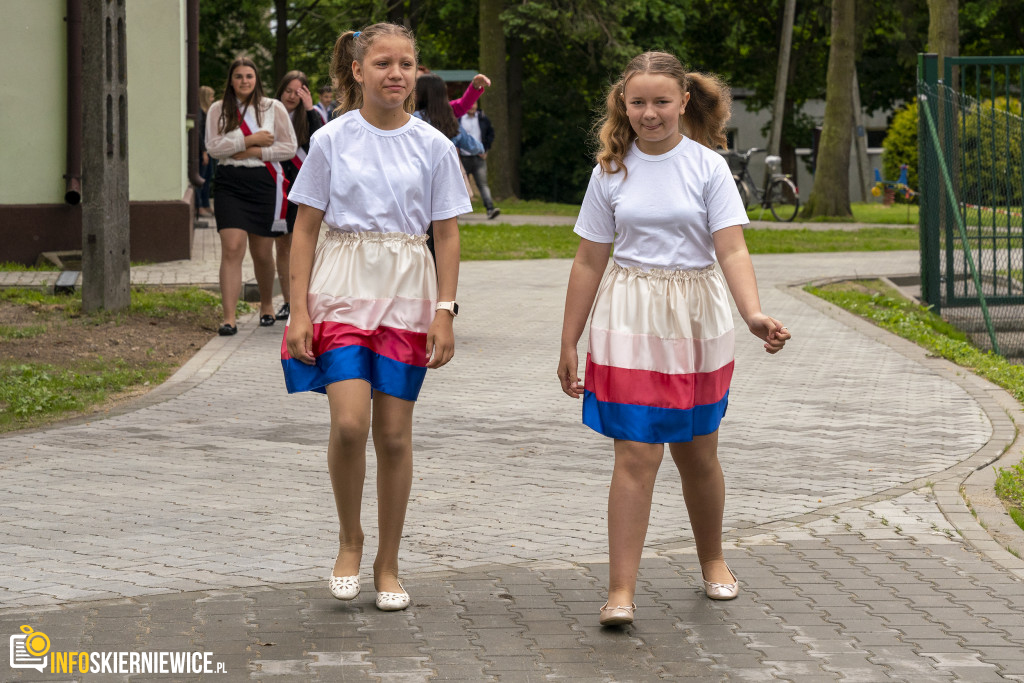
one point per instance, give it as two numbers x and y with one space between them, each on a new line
971 175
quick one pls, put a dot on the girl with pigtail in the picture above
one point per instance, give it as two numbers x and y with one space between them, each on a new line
370 311
660 355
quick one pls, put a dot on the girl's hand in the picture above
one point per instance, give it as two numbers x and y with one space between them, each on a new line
480 81
440 340
300 339
306 98
770 330
568 372
249 153
261 138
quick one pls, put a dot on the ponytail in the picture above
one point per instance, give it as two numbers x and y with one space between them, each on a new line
352 46
703 121
708 110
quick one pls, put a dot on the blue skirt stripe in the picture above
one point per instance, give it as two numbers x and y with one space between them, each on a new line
647 424
354 362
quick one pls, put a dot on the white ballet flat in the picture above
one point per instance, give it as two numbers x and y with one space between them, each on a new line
344 587
393 602
721 591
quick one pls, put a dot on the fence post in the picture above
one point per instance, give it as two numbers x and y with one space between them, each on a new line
928 220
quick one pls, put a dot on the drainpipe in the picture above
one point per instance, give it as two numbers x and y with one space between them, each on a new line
73 164
192 103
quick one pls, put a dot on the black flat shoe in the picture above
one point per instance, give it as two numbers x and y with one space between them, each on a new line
266 320
226 330
284 311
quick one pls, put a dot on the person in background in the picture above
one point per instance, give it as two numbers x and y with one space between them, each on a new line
476 124
250 135
205 162
325 107
293 93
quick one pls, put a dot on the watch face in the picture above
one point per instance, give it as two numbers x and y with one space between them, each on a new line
455 308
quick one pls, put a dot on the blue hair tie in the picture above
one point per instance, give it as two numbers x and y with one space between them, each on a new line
356 34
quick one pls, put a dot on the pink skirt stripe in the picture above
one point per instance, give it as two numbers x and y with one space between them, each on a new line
656 389
367 314
403 346
671 356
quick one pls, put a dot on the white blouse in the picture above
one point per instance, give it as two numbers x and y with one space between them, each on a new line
222 146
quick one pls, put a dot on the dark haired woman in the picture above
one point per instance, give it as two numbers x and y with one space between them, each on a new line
293 93
432 106
249 135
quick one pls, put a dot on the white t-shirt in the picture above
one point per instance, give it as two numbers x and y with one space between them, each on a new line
662 214
471 124
369 180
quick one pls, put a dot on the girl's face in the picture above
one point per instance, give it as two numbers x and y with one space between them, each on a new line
387 72
243 80
290 97
654 103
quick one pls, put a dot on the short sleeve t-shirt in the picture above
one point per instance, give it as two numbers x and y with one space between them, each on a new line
369 180
663 212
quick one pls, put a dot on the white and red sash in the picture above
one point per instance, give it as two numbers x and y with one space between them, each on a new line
300 156
247 123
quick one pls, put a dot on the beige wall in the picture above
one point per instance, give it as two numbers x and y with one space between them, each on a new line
34 102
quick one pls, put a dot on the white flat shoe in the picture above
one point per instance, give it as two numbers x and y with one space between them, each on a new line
344 587
393 602
721 591
618 615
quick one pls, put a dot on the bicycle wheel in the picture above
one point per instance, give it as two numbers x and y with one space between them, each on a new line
783 199
744 193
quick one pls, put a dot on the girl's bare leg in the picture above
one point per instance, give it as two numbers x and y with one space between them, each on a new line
392 439
232 251
283 247
346 462
629 512
704 493
262 250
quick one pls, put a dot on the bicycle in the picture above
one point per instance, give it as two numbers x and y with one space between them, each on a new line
782 196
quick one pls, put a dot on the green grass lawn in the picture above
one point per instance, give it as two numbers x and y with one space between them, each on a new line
530 207
884 306
489 241
863 212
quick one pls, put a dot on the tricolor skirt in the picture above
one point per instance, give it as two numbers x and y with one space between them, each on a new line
371 301
661 355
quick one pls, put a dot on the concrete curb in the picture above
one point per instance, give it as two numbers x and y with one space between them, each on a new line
983 521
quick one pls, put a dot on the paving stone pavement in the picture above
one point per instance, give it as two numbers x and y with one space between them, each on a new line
202 518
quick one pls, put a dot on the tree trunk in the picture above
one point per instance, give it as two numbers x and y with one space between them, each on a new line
943 31
281 46
831 193
493 64
515 108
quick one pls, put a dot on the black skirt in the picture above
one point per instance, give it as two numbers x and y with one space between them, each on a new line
245 199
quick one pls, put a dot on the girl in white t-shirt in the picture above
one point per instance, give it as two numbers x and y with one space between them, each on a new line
369 311
661 337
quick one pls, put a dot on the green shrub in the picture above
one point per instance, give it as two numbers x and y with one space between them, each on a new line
990 141
900 146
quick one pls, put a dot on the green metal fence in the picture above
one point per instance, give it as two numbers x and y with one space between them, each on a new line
971 174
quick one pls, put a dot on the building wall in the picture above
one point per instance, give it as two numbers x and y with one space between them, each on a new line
746 127
33 107
33 121
157 139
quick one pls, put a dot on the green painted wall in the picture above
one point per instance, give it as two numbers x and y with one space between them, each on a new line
157 139
33 104
33 107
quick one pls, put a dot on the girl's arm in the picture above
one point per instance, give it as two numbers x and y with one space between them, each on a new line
284 143
473 92
300 329
587 269
731 249
467 143
221 145
441 336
